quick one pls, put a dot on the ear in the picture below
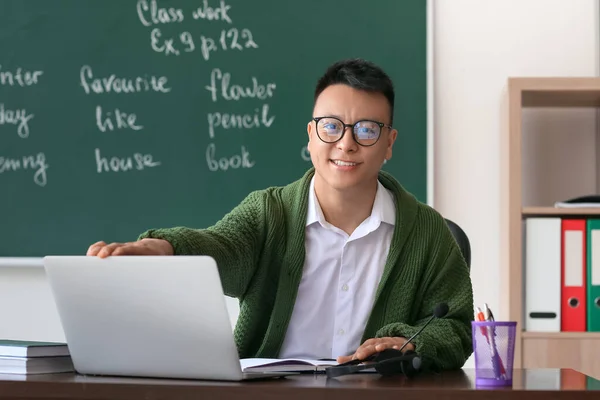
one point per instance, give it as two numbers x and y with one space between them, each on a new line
390 143
310 129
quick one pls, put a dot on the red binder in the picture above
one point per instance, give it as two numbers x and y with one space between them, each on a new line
572 380
573 275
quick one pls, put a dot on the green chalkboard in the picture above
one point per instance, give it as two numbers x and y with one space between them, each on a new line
118 116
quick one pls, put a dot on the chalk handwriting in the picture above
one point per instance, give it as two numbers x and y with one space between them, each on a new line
19 77
150 13
213 14
236 41
18 117
245 121
224 163
119 164
236 92
188 41
207 46
31 162
229 39
114 84
165 46
107 121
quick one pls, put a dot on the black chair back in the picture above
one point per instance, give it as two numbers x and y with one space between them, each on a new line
461 239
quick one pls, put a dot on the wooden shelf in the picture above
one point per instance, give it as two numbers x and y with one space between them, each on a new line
561 335
558 92
553 211
578 350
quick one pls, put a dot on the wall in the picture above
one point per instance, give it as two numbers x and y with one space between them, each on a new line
477 45
27 310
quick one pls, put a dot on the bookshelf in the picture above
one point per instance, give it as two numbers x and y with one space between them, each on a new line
561 335
577 350
553 212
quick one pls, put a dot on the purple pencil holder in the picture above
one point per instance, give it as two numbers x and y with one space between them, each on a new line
494 350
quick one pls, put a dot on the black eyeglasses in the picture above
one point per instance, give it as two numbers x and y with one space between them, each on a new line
365 132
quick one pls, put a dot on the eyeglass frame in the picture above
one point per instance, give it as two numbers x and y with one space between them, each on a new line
345 126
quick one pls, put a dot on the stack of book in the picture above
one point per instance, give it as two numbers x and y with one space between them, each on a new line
29 357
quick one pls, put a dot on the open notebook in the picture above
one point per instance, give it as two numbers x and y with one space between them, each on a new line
284 365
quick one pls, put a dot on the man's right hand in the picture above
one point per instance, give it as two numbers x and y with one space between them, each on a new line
144 247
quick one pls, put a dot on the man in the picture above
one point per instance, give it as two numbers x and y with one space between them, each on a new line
342 263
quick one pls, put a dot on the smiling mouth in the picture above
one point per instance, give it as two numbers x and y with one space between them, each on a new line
344 163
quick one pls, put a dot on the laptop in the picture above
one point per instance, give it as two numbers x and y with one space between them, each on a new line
146 316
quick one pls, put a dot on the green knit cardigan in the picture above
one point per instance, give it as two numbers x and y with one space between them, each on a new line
259 249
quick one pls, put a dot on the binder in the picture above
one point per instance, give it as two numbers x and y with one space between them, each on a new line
592 383
543 274
573 276
593 275
572 380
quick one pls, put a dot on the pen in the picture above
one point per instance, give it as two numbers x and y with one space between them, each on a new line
481 318
496 359
488 313
479 314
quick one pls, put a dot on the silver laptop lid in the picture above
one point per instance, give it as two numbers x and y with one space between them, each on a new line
144 316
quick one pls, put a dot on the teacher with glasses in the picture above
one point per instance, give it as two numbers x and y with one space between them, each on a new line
342 263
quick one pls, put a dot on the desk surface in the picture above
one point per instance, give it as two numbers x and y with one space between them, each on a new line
542 384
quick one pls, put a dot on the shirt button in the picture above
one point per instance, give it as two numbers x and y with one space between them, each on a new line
341 332
345 288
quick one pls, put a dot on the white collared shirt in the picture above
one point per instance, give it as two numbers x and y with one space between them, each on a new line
339 281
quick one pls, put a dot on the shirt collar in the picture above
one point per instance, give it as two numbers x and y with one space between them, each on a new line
384 209
315 214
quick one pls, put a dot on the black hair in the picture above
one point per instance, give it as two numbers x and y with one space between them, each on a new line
361 75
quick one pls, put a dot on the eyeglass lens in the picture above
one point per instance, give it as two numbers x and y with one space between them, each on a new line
331 129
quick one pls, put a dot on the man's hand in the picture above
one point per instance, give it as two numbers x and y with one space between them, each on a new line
372 346
144 247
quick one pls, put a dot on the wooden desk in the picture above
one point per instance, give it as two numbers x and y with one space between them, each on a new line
539 384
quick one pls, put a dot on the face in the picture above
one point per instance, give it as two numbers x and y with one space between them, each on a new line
346 165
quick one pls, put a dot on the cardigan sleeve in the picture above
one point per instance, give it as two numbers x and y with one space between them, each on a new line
235 242
446 343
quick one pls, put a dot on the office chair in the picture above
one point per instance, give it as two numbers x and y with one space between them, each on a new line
462 240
